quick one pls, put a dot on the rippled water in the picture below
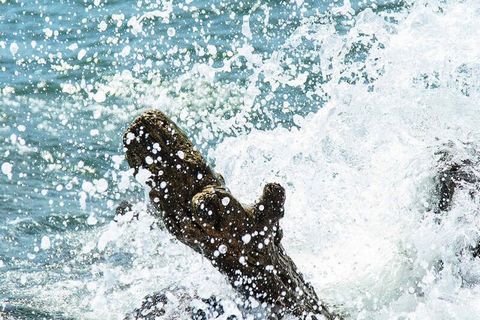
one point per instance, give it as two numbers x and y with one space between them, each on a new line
343 103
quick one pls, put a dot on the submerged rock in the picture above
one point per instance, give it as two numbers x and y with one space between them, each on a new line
457 173
153 306
179 305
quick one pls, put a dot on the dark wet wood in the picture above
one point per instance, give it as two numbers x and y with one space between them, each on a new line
243 242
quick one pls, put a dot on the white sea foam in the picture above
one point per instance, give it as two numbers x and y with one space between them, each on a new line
358 170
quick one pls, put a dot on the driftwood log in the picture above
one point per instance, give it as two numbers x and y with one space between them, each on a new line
243 242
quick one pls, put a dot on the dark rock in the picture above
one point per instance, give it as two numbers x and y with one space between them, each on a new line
456 174
155 307
152 308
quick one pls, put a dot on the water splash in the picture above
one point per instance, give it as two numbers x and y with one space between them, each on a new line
359 170
347 112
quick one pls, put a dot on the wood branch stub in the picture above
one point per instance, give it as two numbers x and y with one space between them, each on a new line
242 242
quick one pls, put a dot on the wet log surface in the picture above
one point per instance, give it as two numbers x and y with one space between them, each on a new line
243 242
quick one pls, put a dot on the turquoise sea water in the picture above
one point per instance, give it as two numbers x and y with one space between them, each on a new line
342 102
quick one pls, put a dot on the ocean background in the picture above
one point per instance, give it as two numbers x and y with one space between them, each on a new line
345 103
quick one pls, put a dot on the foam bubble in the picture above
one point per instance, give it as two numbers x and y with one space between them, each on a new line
45 243
7 169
